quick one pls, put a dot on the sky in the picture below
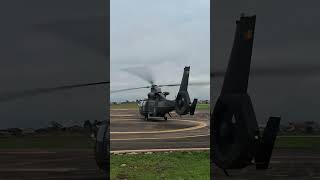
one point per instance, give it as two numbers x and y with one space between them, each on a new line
163 37
286 41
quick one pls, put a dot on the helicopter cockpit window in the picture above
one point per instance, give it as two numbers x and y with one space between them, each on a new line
151 96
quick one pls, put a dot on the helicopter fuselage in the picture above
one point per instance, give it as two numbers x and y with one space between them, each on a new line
156 105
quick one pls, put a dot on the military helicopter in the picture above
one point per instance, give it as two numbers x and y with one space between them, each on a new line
158 106
101 133
236 140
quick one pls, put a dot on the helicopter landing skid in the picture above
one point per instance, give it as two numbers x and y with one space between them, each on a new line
148 117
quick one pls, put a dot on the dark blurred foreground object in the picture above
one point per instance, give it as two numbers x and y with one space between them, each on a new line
236 140
102 146
99 129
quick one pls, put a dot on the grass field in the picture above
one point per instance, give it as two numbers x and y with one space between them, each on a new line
71 141
135 106
203 106
299 143
177 165
125 106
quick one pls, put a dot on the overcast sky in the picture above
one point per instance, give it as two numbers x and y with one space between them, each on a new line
163 36
286 37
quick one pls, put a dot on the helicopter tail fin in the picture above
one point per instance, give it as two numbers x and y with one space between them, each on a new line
185 79
237 75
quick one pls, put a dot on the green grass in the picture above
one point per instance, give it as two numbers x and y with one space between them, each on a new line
203 106
299 143
72 141
85 142
177 165
125 106
47 142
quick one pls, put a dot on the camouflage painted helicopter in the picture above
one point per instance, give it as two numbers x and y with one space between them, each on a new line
158 106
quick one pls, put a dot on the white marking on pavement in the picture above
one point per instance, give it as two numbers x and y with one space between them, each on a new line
198 126
158 138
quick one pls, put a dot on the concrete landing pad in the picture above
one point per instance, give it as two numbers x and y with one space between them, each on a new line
131 132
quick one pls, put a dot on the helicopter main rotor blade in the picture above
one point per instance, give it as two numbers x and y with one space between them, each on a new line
129 89
163 85
190 84
296 70
33 92
141 72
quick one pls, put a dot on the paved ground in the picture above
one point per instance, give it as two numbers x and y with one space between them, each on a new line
285 164
37 164
130 132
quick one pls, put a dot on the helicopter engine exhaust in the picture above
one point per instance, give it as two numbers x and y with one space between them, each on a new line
183 103
236 139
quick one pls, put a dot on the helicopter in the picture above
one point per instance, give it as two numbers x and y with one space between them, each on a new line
236 139
158 106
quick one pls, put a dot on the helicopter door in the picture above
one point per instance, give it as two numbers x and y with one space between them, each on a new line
145 106
155 107
141 106
150 107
